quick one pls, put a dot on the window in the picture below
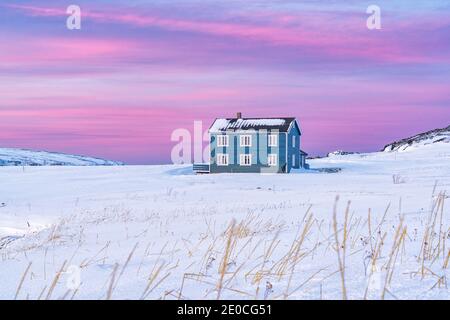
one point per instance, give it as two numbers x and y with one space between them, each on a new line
272 159
222 159
245 159
293 160
246 141
222 141
273 139
293 141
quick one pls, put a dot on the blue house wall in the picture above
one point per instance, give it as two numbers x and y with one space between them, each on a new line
259 150
293 150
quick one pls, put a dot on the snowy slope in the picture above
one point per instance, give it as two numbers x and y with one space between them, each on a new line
161 232
432 136
23 157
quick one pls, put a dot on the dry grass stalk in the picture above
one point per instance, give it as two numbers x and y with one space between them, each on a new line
307 281
65 295
383 218
374 258
55 281
75 292
143 258
155 273
259 275
280 267
42 293
399 245
45 262
91 260
440 283
226 256
146 293
445 265
369 225
22 280
341 260
188 276
295 257
430 250
198 278
130 255
398 238
156 270
180 292
111 283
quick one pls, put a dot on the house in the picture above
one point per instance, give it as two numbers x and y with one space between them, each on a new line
263 145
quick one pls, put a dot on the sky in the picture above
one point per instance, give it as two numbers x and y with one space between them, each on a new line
138 70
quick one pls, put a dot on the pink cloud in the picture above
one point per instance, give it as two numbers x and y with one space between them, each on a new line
62 49
319 32
99 131
262 65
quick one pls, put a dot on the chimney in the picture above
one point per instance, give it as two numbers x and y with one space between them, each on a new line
239 115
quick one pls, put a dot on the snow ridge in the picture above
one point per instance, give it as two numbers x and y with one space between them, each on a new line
24 157
426 138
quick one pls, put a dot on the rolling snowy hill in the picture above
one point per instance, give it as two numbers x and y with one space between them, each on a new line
429 137
23 157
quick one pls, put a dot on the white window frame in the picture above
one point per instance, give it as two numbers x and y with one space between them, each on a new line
242 160
293 141
293 160
223 140
272 159
242 141
272 140
222 159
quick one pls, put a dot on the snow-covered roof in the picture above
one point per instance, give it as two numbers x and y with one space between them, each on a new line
235 124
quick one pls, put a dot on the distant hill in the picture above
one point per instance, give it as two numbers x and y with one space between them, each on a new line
23 157
429 137
340 153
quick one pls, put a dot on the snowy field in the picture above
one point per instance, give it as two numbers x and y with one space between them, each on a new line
161 232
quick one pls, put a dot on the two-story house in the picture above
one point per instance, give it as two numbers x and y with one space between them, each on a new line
267 145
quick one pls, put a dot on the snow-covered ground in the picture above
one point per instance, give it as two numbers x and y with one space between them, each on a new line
161 232
24 157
